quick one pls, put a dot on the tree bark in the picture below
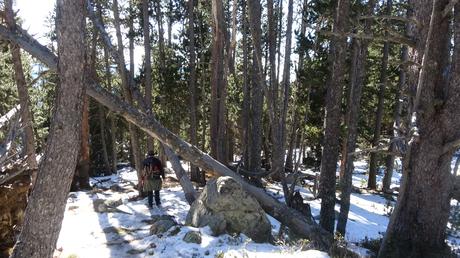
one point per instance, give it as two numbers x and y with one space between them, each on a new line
105 154
48 199
256 90
126 92
418 224
357 79
113 128
300 80
147 64
161 41
333 116
147 123
81 177
195 173
245 112
372 182
218 83
390 159
181 175
26 115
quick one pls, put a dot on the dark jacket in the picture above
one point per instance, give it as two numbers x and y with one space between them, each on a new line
152 173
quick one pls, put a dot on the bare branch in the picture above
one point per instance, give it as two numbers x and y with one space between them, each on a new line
451 146
9 115
389 17
395 38
448 8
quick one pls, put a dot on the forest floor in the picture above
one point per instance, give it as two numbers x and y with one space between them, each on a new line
86 233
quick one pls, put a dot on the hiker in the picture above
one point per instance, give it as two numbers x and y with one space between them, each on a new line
151 182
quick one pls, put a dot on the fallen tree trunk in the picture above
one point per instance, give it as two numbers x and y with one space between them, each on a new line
289 217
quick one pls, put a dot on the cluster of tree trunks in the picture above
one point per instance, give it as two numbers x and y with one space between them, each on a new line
150 125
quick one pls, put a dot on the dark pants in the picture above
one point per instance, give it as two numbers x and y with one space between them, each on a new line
150 198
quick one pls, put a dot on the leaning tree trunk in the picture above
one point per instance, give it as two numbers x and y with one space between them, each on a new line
417 227
333 116
20 79
48 199
357 79
287 216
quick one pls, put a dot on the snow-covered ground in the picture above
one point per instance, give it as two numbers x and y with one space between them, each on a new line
86 233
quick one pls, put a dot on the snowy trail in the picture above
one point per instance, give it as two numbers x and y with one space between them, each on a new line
86 233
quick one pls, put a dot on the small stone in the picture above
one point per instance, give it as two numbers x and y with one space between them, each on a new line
206 252
192 237
161 226
135 251
174 232
153 245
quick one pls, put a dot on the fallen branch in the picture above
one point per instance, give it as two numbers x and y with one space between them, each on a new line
5 147
9 115
9 177
293 219
451 146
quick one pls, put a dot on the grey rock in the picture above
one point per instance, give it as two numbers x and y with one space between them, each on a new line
161 226
192 237
226 208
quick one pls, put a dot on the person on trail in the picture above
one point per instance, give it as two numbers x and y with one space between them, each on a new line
151 182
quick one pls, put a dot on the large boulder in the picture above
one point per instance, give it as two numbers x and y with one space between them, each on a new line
226 208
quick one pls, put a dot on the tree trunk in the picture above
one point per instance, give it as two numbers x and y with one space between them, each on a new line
300 80
48 199
333 116
372 182
147 123
105 155
245 112
161 41
147 64
357 81
126 92
192 84
280 30
218 83
417 226
81 177
257 86
100 108
26 115
280 133
181 175
390 159
113 128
